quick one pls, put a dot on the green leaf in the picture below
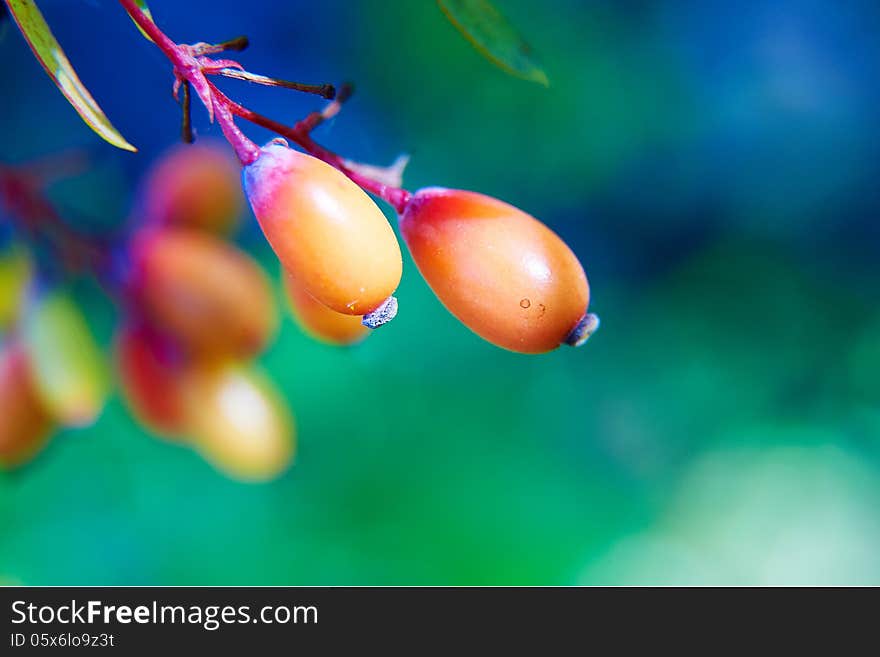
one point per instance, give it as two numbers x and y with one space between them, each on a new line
69 368
46 49
142 5
494 37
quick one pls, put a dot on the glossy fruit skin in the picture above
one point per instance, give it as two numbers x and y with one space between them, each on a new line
324 229
503 273
25 423
210 295
319 321
196 186
151 372
238 421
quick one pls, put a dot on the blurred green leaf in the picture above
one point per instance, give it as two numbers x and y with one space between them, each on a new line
47 50
494 37
69 368
15 276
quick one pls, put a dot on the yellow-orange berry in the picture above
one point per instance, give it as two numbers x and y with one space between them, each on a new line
209 294
195 185
319 321
503 273
25 423
325 230
238 421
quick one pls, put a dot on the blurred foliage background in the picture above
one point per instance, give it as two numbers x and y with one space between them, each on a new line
714 166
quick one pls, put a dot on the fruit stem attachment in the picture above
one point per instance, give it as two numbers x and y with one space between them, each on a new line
584 329
300 134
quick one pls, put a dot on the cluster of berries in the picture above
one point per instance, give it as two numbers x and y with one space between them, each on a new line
197 309
500 271
51 369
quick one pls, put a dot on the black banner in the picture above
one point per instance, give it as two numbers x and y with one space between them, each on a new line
398 620
128 619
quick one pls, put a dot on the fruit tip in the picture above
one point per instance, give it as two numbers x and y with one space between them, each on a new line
584 329
382 315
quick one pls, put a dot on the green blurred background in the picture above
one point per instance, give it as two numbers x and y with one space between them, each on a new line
713 165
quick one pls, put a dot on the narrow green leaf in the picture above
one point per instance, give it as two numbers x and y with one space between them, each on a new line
142 5
46 49
494 37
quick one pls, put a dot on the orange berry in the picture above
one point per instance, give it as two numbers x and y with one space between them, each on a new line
209 294
150 377
319 321
325 230
238 421
197 186
25 423
503 273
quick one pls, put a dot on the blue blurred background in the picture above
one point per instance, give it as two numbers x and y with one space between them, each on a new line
713 164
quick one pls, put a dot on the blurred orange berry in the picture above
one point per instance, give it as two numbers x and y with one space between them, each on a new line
238 421
503 273
195 185
325 230
319 321
150 376
25 423
209 294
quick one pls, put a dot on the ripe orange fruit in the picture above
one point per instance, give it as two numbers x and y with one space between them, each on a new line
319 321
195 185
25 423
324 229
503 273
209 294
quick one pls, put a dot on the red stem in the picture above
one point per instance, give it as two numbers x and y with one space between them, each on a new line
152 30
217 103
300 135
21 193
187 67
